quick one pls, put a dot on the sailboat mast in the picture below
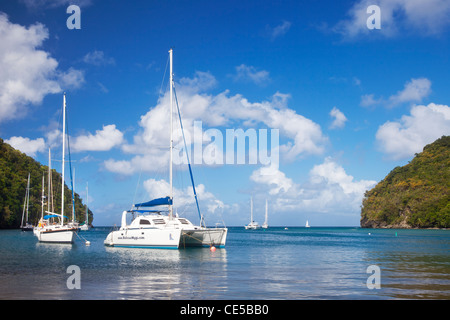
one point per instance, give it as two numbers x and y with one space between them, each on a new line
63 155
266 217
50 187
251 210
87 204
43 194
171 133
28 195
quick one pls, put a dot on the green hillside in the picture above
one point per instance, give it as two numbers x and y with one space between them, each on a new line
14 169
416 195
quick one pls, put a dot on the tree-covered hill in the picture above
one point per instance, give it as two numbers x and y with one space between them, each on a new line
416 195
14 169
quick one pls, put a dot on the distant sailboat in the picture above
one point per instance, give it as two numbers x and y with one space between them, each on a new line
27 226
265 224
61 233
253 225
307 224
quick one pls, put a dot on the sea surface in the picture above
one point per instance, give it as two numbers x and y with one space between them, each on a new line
298 263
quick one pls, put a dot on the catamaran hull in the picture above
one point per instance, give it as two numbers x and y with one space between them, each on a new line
56 236
167 239
144 238
204 237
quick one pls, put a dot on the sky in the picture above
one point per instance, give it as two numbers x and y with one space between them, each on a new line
340 94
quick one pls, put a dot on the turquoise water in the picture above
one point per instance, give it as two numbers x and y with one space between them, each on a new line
298 263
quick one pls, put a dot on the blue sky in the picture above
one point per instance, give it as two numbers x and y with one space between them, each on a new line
350 103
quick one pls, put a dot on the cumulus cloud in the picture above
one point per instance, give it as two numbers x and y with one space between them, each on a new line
339 119
414 91
274 179
426 17
184 201
403 138
27 73
26 145
103 140
303 136
329 189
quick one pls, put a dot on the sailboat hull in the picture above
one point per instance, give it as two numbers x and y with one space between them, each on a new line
168 238
56 236
27 227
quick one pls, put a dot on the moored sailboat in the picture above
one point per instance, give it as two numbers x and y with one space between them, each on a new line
47 231
153 228
253 225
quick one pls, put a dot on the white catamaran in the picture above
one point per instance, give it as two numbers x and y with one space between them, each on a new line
253 225
47 231
152 229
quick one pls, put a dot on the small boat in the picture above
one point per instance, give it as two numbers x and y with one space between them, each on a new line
48 230
253 225
27 226
152 229
265 225
307 224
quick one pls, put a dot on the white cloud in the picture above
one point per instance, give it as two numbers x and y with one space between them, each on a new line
98 58
426 17
27 146
276 181
27 73
414 90
246 73
184 201
279 30
402 139
103 140
304 137
329 189
73 78
339 119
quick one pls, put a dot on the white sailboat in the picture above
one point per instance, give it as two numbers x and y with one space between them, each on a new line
265 225
253 225
57 232
152 228
27 226
307 224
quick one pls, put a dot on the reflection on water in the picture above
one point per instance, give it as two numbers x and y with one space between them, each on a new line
299 263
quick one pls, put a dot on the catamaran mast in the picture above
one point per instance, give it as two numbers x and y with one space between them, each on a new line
266 216
63 155
251 210
171 133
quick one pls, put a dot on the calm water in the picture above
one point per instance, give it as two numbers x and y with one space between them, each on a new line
299 263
